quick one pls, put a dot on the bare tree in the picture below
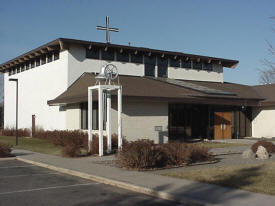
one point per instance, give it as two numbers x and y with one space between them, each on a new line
267 74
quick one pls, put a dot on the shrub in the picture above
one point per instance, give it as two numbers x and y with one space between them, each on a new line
72 144
140 154
60 137
72 141
269 146
199 154
176 153
143 154
95 143
12 132
5 150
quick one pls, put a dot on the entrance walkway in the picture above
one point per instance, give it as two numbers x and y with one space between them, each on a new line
148 183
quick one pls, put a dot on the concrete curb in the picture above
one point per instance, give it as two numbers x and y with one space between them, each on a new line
8 158
163 195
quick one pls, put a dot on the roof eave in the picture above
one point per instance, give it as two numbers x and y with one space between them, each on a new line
63 43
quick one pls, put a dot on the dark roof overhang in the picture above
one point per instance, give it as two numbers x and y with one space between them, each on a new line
151 89
64 44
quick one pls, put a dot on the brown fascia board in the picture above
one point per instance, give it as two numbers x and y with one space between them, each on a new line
224 62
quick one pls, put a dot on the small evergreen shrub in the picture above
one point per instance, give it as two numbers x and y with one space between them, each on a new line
269 146
5 150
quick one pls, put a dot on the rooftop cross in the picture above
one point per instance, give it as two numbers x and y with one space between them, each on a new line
108 29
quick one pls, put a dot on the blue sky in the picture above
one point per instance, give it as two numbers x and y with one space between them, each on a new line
227 29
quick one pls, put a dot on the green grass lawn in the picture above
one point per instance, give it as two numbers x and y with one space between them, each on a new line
255 178
33 144
219 144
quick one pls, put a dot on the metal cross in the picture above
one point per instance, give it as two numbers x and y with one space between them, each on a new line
108 29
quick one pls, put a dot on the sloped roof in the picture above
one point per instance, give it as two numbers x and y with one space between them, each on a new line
152 88
64 44
267 91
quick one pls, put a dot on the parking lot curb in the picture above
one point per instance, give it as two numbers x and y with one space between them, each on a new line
148 191
8 158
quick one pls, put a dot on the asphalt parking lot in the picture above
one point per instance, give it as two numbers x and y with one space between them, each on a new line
26 184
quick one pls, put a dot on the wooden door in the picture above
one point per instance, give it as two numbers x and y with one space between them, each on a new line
222 125
227 124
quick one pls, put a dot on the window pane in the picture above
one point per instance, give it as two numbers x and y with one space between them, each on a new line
174 62
56 55
208 66
122 57
92 53
32 64
37 62
84 116
22 67
49 57
162 67
137 58
150 60
43 59
108 55
149 70
197 65
186 64
18 69
27 65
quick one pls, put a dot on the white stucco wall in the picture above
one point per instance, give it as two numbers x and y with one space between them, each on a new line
263 124
198 75
78 64
73 115
139 119
36 87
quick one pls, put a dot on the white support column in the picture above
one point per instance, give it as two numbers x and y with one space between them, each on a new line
109 123
100 121
90 118
119 122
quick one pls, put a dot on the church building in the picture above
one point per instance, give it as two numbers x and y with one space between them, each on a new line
166 95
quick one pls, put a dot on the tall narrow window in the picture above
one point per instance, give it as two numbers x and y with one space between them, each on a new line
149 65
84 116
137 58
208 66
108 54
37 62
174 62
22 67
18 69
186 64
27 65
92 53
197 65
32 64
56 55
162 67
49 57
43 59
122 56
